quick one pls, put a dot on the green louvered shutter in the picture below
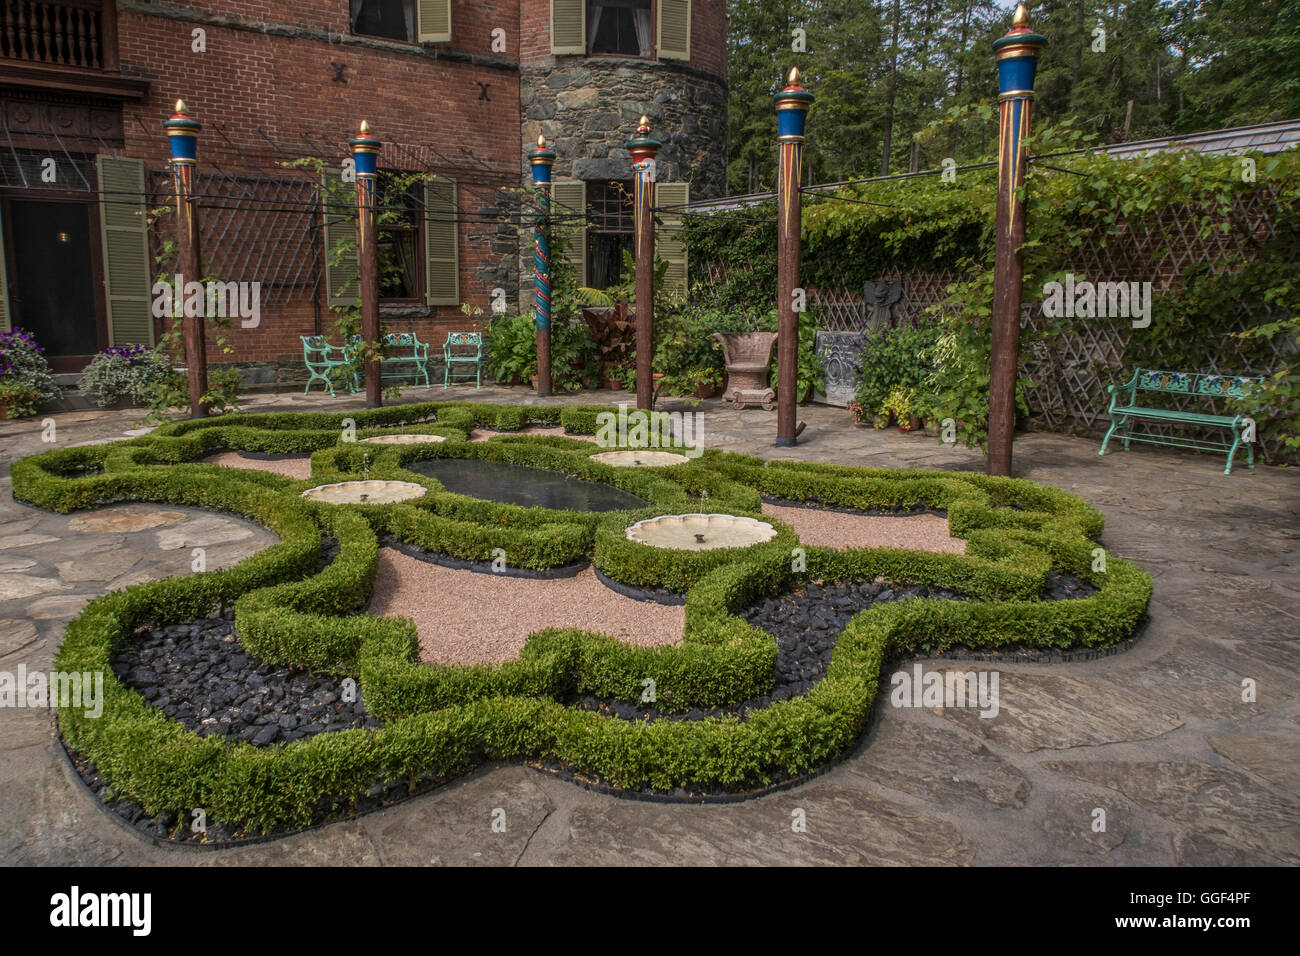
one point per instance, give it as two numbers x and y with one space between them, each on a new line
433 21
674 29
125 227
569 198
5 322
442 261
670 244
342 272
569 26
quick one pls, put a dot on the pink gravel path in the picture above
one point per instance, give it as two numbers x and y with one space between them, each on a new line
289 467
833 529
483 434
467 617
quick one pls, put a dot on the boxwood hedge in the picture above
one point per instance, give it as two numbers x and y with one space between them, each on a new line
439 721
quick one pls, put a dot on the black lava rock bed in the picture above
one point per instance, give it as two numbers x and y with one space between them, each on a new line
199 675
894 511
806 623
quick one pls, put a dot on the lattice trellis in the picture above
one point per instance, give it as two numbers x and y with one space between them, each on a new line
254 229
1071 370
844 310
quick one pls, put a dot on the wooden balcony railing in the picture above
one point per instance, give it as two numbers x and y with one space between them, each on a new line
71 33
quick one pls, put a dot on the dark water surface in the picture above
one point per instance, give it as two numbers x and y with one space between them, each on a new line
521 485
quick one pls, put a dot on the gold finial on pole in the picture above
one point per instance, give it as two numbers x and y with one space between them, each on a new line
1021 17
180 106
541 141
365 127
644 121
793 78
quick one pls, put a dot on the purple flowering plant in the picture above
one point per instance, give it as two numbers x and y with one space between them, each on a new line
22 363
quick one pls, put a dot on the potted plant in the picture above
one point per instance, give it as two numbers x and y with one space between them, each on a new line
123 374
25 374
708 383
17 399
902 403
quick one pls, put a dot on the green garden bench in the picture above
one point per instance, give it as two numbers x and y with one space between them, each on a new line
464 341
321 360
401 349
1124 409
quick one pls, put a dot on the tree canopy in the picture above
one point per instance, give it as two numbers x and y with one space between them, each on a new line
903 84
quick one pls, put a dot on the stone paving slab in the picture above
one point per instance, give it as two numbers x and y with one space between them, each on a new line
1159 736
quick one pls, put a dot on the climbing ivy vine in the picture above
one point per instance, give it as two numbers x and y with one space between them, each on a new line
1078 203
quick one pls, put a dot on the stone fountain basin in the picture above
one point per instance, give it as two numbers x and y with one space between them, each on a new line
640 459
403 439
701 532
369 492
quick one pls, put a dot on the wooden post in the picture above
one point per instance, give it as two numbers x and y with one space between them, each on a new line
365 154
1017 55
791 115
542 159
183 134
644 150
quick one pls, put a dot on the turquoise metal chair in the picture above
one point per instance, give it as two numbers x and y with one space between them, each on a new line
463 341
321 360
414 351
419 352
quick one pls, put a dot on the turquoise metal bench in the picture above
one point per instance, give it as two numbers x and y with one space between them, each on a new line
321 360
463 341
1124 409
400 349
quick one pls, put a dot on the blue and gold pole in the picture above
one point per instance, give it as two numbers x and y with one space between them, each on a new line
1017 55
365 156
542 159
792 105
183 134
644 151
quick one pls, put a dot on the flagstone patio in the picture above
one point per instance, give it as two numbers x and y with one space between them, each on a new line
1158 737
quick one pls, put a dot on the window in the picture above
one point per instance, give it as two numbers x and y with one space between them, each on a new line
401 215
391 19
618 27
417 240
610 233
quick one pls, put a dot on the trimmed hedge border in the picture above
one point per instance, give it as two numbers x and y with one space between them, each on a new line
440 721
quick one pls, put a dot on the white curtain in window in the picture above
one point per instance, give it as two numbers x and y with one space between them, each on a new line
594 13
642 19
408 8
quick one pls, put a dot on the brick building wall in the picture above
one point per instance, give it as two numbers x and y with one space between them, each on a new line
285 79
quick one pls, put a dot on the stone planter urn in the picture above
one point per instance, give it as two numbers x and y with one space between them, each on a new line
748 356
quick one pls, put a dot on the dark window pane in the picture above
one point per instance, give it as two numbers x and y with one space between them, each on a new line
619 27
400 214
610 205
605 257
392 19
397 264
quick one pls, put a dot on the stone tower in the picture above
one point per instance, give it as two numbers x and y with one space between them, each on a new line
588 69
